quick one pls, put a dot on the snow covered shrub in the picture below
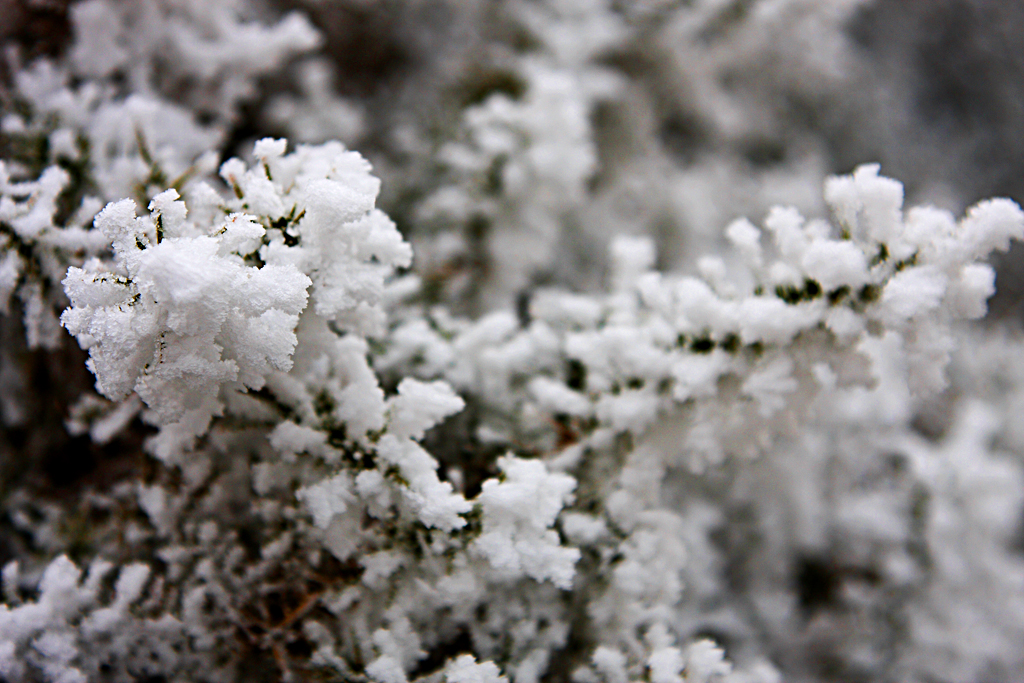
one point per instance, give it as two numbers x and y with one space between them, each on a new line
565 415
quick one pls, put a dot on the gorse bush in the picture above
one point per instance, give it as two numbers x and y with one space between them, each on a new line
527 399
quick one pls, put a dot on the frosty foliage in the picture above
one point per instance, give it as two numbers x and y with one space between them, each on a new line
36 248
181 313
600 430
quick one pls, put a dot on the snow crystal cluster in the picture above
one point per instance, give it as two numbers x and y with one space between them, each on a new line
524 399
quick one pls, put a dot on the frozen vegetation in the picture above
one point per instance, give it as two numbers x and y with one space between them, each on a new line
510 341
